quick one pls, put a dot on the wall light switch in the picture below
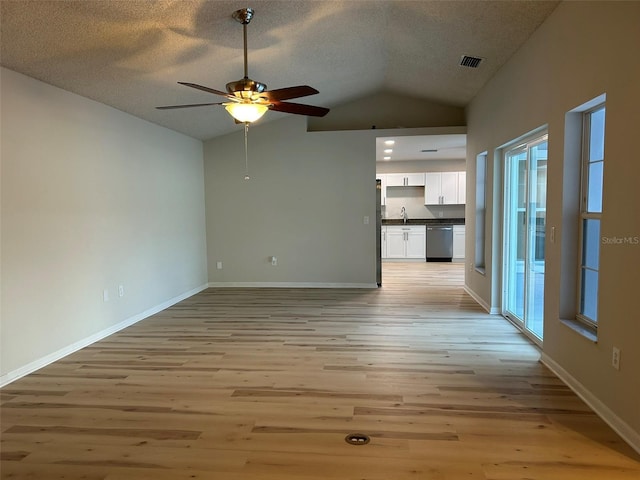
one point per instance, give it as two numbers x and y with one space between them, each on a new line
105 295
219 265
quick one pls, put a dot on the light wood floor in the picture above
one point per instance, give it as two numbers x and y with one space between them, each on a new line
265 384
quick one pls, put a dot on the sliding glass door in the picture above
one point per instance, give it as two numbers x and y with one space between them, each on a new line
524 234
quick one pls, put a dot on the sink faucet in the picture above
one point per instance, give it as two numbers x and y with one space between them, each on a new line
403 214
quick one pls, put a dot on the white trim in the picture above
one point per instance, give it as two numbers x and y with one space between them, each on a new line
602 98
290 285
481 302
85 342
404 260
627 433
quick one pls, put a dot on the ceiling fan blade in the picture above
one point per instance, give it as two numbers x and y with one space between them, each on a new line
204 89
289 93
170 107
299 109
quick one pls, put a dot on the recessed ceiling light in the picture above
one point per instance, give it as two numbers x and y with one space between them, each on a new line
388 150
389 142
386 158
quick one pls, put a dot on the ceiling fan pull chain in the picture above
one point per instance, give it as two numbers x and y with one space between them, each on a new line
246 151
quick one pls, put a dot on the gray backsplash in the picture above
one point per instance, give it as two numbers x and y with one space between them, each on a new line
412 198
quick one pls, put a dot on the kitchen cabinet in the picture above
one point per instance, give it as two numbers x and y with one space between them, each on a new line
405 242
383 241
383 185
458 242
462 187
405 179
443 188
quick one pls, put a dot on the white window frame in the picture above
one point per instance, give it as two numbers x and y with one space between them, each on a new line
586 215
481 211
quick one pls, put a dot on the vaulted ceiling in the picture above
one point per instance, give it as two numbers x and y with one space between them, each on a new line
130 54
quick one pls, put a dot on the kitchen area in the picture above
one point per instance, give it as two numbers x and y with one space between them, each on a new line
422 186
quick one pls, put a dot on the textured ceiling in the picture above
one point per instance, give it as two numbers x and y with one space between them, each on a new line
130 54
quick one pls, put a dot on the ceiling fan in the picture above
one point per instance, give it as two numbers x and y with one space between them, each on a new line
247 99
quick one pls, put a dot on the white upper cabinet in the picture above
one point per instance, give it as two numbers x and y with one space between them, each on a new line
383 185
415 179
443 188
405 179
449 189
462 187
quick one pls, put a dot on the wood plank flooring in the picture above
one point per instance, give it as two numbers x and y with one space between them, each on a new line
265 384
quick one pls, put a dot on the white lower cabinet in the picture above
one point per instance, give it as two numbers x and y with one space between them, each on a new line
383 241
405 242
458 242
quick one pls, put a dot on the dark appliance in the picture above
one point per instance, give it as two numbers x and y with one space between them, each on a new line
439 243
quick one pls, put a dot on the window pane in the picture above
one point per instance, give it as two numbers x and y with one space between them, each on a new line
594 192
521 176
481 174
596 136
591 243
589 306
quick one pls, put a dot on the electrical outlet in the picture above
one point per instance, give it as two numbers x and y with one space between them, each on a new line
366 220
219 265
121 290
274 261
615 358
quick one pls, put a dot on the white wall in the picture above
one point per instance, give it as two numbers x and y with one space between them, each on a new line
91 198
305 204
584 49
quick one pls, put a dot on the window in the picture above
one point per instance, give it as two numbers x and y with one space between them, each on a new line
590 214
481 209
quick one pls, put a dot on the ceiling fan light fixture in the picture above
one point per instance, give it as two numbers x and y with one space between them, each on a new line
246 112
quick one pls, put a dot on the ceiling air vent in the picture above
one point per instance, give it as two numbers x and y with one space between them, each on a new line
471 62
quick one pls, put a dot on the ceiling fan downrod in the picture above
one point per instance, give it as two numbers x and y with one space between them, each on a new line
245 88
244 16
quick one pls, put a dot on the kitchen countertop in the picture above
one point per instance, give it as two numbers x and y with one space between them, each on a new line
423 221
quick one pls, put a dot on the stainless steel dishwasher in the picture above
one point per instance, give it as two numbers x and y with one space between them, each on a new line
439 243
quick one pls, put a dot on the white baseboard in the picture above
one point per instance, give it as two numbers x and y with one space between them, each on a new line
616 423
290 285
85 342
481 302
